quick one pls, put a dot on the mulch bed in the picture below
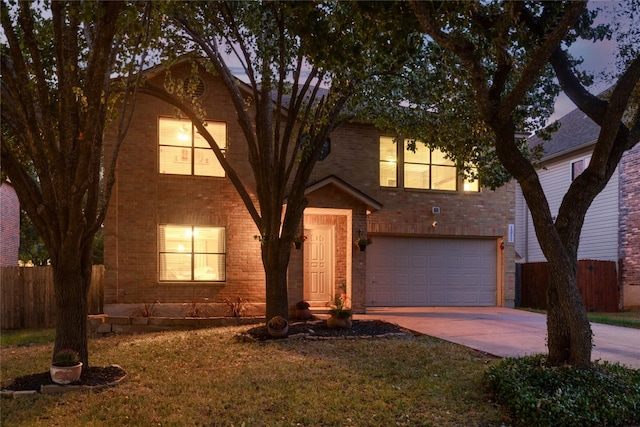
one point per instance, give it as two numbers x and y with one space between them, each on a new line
101 376
319 329
92 376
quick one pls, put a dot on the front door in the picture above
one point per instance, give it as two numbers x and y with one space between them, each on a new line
318 265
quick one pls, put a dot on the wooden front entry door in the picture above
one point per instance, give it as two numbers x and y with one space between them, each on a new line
318 265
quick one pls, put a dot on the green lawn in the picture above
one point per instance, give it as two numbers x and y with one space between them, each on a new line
208 378
627 318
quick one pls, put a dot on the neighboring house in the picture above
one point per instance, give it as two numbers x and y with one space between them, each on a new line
178 233
9 225
612 224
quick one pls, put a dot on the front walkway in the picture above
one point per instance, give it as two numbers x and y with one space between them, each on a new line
505 332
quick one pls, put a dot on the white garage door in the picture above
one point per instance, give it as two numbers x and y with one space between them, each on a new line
408 271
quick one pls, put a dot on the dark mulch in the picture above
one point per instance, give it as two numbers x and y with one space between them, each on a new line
319 328
93 376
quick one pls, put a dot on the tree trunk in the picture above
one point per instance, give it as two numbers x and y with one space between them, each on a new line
72 280
568 328
275 258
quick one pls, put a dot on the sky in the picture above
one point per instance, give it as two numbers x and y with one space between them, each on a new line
598 57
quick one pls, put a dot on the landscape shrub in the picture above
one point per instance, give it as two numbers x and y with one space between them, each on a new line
604 394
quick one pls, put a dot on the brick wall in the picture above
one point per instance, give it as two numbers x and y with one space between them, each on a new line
9 225
355 159
142 199
629 252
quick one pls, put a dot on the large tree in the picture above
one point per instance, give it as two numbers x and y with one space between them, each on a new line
502 52
302 61
58 60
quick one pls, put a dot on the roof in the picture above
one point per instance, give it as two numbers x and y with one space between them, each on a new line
576 131
372 204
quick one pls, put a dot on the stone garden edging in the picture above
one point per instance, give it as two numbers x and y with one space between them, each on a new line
102 325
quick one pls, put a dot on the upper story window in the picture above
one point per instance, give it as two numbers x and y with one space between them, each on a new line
388 162
426 169
578 166
183 151
191 254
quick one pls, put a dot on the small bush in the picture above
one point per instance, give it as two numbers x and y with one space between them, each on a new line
538 395
66 357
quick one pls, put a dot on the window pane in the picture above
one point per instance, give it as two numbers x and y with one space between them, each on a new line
576 169
218 131
471 186
175 132
388 152
388 174
175 239
443 178
209 267
209 240
206 164
416 176
175 160
421 154
388 162
438 158
175 267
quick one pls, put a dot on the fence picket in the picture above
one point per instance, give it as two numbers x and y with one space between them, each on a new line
28 298
597 282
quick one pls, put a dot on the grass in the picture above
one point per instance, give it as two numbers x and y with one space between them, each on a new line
627 318
207 377
23 337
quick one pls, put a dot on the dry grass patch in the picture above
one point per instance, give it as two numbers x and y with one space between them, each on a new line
208 378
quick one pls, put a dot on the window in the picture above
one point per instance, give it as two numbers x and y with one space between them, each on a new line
388 162
428 169
183 151
191 254
326 150
578 166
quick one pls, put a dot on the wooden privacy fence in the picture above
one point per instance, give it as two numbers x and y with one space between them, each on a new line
28 298
597 282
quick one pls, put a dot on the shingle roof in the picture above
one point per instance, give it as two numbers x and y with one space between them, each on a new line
576 131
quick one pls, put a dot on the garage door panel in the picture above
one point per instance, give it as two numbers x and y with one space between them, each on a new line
400 261
437 297
431 272
416 261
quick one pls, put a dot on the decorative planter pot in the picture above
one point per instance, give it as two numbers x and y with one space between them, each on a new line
65 374
303 314
298 245
277 333
362 248
339 322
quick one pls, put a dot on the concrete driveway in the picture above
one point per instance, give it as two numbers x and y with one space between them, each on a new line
505 332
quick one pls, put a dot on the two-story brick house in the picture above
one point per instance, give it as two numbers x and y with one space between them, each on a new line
177 232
